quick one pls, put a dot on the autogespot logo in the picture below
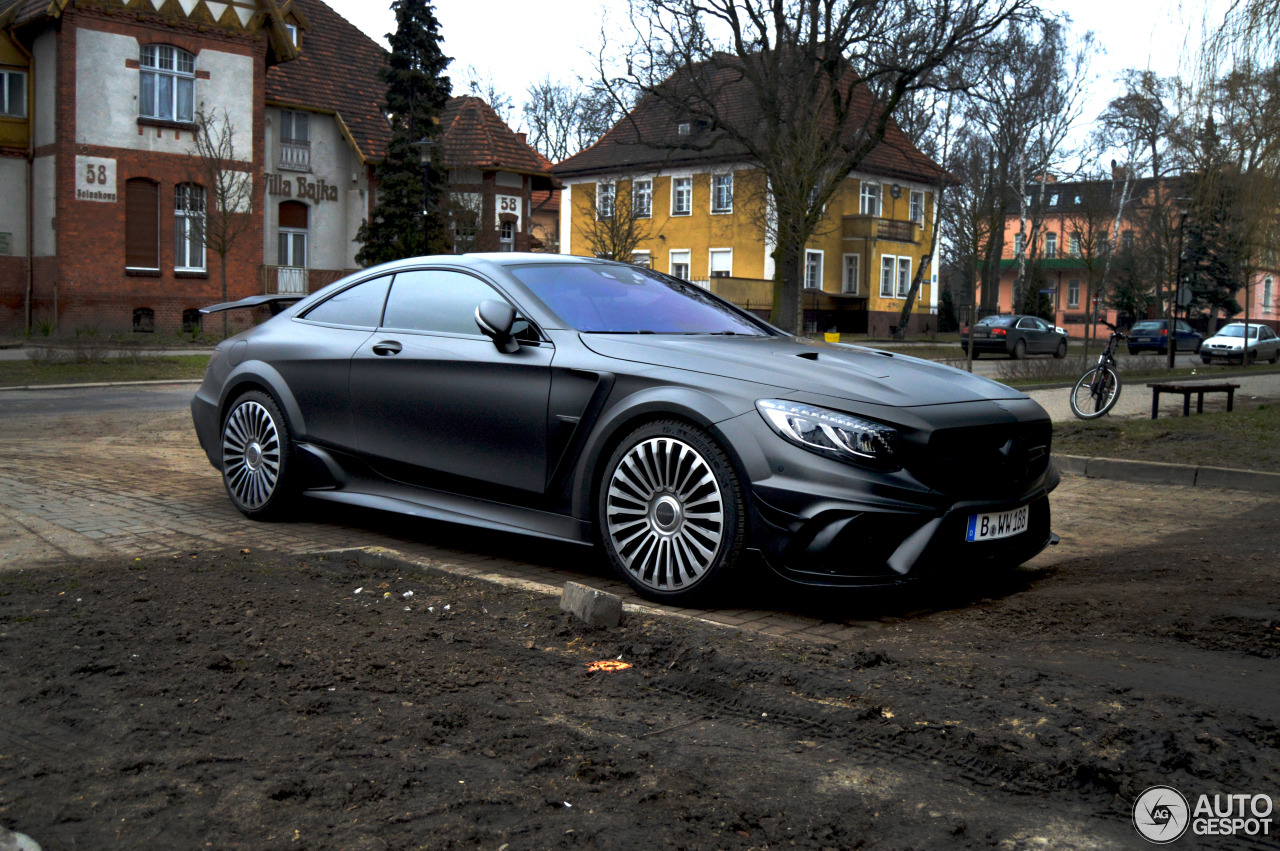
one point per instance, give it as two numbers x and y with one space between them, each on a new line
1160 814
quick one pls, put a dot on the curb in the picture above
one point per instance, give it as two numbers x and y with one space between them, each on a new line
103 384
1157 473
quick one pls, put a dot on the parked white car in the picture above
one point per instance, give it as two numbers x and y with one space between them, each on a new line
1229 344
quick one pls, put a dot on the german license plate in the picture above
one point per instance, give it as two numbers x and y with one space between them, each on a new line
999 524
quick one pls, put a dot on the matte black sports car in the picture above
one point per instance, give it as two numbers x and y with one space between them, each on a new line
599 402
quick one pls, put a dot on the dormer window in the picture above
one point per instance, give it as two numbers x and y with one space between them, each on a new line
682 129
293 33
167 83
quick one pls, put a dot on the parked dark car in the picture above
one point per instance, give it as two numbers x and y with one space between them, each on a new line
603 403
1152 335
1016 336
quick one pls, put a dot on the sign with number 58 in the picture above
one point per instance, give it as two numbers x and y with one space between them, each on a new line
96 179
511 205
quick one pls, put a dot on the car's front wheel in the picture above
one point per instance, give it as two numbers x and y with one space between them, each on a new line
1019 350
1061 351
670 514
257 457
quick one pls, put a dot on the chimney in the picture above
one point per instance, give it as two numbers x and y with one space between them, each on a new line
1117 172
520 134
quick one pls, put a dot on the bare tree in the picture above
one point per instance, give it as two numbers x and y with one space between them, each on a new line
228 180
618 220
482 85
805 91
563 119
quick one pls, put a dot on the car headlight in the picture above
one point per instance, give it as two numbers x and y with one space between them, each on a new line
828 432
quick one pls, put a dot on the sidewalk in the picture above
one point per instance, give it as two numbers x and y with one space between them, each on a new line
1135 396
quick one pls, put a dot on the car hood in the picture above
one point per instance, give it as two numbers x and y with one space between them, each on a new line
833 369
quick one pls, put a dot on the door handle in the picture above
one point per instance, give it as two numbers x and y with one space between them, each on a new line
387 347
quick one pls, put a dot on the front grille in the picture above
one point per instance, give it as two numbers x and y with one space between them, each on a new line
985 462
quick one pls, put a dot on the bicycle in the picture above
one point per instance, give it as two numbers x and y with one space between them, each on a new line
1098 390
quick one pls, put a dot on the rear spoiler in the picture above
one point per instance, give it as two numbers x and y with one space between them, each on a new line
277 303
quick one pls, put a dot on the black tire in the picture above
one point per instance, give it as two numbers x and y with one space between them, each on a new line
1206 361
644 518
1019 350
1275 357
257 457
1251 357
1088 405
1061 351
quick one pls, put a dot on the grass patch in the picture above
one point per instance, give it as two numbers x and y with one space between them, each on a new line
1246 438
17 373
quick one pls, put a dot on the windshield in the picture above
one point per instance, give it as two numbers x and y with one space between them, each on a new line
1238 331
619 299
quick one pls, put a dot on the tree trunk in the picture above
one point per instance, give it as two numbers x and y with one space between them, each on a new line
788 294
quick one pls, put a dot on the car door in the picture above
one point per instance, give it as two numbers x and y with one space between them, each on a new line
1268 343
1032 333
428 390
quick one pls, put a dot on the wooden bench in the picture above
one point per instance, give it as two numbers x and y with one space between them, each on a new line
1186 390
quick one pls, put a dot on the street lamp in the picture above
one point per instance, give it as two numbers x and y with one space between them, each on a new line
1183 210
423 146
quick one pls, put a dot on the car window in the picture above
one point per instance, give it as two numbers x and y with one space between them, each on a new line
1148 326
620 299
1267 333
360 305
1238 331
1028 323
997 321
436 301
1183 326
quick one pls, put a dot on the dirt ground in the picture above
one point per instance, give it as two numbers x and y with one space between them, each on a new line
253 700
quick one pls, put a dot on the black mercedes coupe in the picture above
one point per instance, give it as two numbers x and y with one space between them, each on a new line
603 403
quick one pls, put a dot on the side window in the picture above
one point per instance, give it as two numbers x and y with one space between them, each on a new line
1027 323
436 301
360 305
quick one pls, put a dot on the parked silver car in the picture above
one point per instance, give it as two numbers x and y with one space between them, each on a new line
1231 342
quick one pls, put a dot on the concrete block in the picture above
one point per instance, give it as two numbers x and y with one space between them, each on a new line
1245 480
1148 472
593 607
1071 465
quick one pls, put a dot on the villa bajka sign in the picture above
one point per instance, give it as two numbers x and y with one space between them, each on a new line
301 188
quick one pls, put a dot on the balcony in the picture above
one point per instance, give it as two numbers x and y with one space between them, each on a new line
295 156
874 227
284 280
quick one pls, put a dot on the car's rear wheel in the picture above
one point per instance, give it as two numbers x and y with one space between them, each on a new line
670 513
1019 350
257 457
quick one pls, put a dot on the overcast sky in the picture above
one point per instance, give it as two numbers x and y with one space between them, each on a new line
516 43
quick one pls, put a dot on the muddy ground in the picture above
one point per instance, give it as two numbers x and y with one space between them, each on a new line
255 700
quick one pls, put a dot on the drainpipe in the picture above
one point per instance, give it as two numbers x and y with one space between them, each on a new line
31 173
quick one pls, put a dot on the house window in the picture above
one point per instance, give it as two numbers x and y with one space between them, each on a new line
813 269
888 270
507 236
904 276
465 221
721 262
642 198
1126 240
1073 292
1075 244
1266 293
292 240
917 207
641 258
722 193
13 94
682 129
188 227
1017 245
1053 200
682 196
142 225
292 29
680 265
851 277
871 194
295 140
167 83
1050 245
605 195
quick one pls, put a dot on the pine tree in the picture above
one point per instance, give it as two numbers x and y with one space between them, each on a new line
1214 251
417 90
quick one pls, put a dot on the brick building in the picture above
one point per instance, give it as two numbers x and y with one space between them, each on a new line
106 205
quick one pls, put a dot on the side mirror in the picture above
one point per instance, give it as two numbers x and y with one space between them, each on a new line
495 319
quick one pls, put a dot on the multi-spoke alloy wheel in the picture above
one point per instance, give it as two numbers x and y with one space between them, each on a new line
254 455
671 515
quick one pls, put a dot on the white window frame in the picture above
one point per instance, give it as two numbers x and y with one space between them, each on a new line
1018 244
188 228
606 199
1050 246
164 64
506 236
808 254
642 198
917 207
1268 285
290 246
292 29
7 87
1073 293
888 274
904 278
1074 242
685 259
720 202
871 199
711 263
682 128
851 263
682 188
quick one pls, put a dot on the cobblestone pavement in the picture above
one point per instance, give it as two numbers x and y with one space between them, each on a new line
111 483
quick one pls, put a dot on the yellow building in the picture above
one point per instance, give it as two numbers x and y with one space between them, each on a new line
699 215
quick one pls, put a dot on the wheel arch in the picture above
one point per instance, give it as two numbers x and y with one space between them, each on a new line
256 375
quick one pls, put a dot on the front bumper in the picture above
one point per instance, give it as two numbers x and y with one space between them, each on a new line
819 521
